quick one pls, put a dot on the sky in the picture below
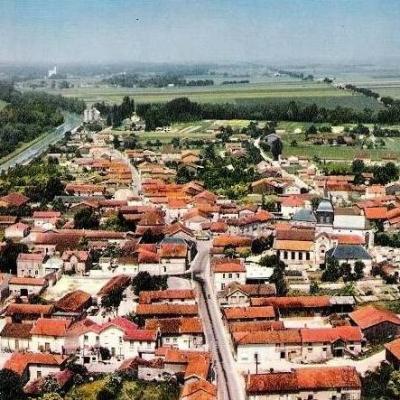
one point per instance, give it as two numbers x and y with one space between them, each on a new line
183 31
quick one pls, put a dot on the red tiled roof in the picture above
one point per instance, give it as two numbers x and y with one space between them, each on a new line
232 240
15 199
368 316
173 250
375 213
233 313
119 281
19 361
166 309
256 326
293 302
282 336
73 301
26 281
176 325
50 327
17 330
394 348
29 309
147 297
320 335
304 379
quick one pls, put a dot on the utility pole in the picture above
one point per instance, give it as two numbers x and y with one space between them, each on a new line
256 362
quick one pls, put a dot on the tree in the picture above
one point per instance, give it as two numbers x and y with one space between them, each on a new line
10 385
276 148
357 167
86 219
314 288
145 281
9 254
112 299
278 273
359 267
116 142
332 271
394 384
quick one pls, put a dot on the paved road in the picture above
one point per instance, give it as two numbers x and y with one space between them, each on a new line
71 122
229 382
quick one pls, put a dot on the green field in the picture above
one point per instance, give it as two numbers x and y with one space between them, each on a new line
272 92
2 104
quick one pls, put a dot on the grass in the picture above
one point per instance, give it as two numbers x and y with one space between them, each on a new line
273 92
2 104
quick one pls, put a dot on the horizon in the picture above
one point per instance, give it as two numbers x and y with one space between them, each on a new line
43 32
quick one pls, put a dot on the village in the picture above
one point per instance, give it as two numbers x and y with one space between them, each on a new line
289 291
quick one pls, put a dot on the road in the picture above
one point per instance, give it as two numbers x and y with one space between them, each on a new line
71 122
299 182
229 382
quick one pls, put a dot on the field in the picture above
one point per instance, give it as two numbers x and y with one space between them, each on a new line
275 91
2 104
190 130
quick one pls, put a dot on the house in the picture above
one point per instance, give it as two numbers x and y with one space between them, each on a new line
21 286
16 231
13 200
26 313
376 324
31 366
77 261
183 333
46 219
225 271
81 189
317 383
120 336
295 245
48 335
74 302
392 353
30 265
174 256
350 254
236 294
15 337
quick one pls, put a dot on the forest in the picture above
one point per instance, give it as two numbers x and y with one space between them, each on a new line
28 115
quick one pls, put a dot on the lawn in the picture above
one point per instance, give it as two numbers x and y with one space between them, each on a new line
131 390
273 92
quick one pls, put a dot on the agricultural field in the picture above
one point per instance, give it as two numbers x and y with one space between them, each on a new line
278 91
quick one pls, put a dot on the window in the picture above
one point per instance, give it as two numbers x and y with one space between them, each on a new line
300 255
237 275
293 255
131 344
351 348
229 275
38 374
307 255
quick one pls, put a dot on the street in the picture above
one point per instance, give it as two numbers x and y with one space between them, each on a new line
230 383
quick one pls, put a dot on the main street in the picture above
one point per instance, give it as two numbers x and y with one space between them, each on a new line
230 383
71 122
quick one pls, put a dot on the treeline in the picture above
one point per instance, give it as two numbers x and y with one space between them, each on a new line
387 101
115 113
27 115
182 109
134 80
298 75
235 82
